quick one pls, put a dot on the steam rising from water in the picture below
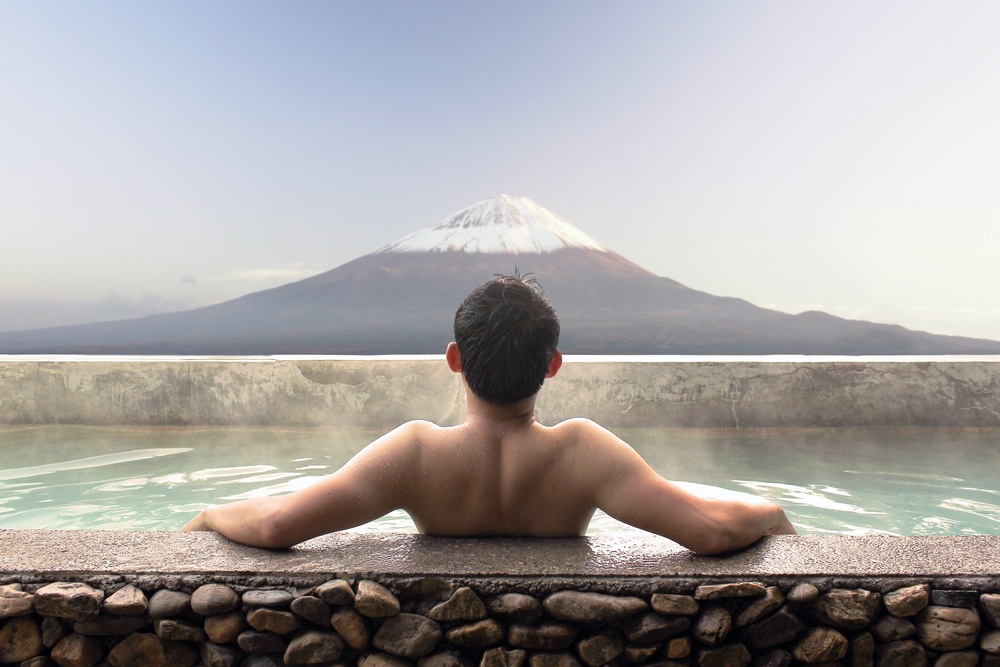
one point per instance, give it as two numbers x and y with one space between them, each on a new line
828 481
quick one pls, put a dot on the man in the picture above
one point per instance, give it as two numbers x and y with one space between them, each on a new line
500 472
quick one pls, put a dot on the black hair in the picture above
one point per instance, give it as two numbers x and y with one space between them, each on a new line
507 332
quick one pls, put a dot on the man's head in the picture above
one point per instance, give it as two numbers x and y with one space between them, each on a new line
507 333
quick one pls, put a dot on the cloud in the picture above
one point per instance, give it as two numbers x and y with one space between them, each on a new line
276 273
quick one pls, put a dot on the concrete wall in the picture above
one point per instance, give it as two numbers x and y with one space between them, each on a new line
380 393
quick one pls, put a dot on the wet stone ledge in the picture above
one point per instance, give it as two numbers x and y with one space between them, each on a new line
391 600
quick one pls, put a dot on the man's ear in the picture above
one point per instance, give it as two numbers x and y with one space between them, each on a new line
453 358
555 364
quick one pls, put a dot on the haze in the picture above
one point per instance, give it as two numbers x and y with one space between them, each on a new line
837 156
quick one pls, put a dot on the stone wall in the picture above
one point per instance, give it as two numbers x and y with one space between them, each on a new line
432 622
380 393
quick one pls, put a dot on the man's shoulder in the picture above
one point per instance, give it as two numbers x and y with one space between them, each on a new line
578 426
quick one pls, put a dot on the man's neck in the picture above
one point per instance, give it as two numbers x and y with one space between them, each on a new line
520 412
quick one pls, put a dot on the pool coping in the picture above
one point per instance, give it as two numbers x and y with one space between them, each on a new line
191 559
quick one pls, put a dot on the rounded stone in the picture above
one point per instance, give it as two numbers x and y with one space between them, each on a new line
732 655
990 604
20 639
267 598
802 593
278 621
846 608
214 599
74 649
253 641
516 606
892 628
907 601
958 659
408 635
990 642
589 608
75 601
225 628
820 645
312 647
477 635
653 627
127 601
165 603
463 605
712 626
947 628
600 649
445 659
148 650
312 609
546 636
375 600
336 592
744 589
179 631
906 653
553 660
674 605
350 625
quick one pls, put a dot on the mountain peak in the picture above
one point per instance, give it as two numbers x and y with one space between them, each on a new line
506 224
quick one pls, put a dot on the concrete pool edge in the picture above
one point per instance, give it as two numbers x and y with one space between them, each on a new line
44 554
399 600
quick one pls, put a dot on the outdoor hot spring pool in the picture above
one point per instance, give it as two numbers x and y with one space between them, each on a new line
912 482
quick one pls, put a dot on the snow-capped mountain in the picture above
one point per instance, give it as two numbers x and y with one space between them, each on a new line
402 298
505 224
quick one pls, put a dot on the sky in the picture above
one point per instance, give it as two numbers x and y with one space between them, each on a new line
841 156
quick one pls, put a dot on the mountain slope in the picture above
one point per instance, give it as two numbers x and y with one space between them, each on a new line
402 298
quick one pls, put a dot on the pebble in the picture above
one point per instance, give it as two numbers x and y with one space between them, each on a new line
269 598
74 601
732 655
374 600
254 641
990 604
863 650
580 607
947 628
948 598
336 592
312 609
674 605
892 628
463 605
352 627
957 659
820 645
712 626
180 631
907 601
73 650
165 603
846 608
641 653
802 593
477 635
20 639
445 659
313 647
553 660
381 660
905 653
653 627
600 649
126 601
225 628
20 604
52 631
108 626
516 606
546 636
217 655
501 657
779 628
278 621
148 650
214 599
408 636
746 589
990 642
761 607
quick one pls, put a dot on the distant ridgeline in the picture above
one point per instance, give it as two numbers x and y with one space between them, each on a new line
401 300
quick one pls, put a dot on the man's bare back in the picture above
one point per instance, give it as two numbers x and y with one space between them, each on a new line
498 473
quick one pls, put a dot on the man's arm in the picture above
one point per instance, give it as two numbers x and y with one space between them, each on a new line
632 492
371 484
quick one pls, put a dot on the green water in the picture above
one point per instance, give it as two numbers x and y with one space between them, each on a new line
919 482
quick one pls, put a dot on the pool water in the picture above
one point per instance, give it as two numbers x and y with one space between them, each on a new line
915 482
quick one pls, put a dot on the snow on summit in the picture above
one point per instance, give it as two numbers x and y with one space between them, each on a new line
506 224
